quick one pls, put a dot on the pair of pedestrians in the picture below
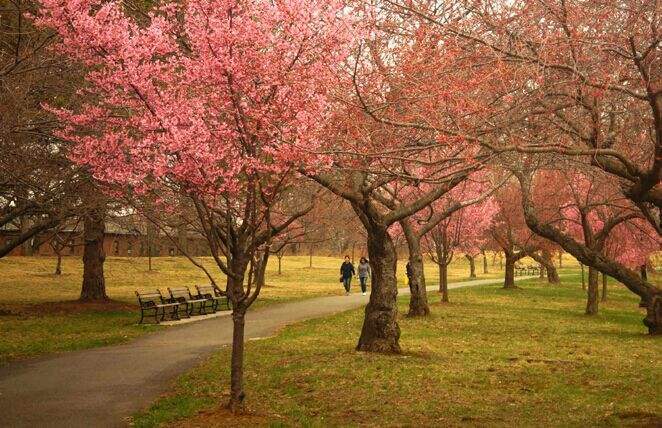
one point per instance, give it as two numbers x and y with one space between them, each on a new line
347 271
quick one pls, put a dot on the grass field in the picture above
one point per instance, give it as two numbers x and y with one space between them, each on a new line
492 357
38 312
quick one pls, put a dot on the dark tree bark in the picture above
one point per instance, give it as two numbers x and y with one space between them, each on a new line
380 332
546 263
94 283
560 259
643 273
484 262
472 265
58 264
604 288
583 282
418 299
237 266
442 257
592 294
237 393
509 279
443 282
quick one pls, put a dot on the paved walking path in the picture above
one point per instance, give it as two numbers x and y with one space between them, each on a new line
101 387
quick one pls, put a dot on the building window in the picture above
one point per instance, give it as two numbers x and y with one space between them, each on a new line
171 251
116 248
129 248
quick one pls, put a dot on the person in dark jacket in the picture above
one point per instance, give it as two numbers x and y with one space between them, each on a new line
346 274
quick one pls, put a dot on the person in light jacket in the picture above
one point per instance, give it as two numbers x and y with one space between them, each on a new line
346 273
364 273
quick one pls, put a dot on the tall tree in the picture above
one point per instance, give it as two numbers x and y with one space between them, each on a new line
461 230
213 102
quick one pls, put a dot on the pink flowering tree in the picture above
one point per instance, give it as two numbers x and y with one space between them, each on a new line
593 212
466 210
463 230
215 101
631 244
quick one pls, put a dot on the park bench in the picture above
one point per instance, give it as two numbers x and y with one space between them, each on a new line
153 301
184 297
532 270
213 294
520 270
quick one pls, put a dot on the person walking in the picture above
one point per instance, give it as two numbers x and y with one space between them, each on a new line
346 273
364 273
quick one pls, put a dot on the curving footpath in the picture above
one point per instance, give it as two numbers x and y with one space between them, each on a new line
102 387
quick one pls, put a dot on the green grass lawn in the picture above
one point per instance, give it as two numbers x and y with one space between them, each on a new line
492 357
39 315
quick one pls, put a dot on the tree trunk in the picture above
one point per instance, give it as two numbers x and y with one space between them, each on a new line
262 268
472 265
418 298
500 261
552 275
592 294
642 271
443 281
546 263
58 264
94 284
380 332
235 289
604 288
583 282
509 279
653 318
237 394
485 262
560 259
280 258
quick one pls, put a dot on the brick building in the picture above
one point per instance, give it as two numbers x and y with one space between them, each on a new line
122 239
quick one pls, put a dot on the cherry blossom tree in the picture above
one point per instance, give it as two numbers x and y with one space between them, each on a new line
510 232
631 243
597 222
214 101
584 87
461 230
